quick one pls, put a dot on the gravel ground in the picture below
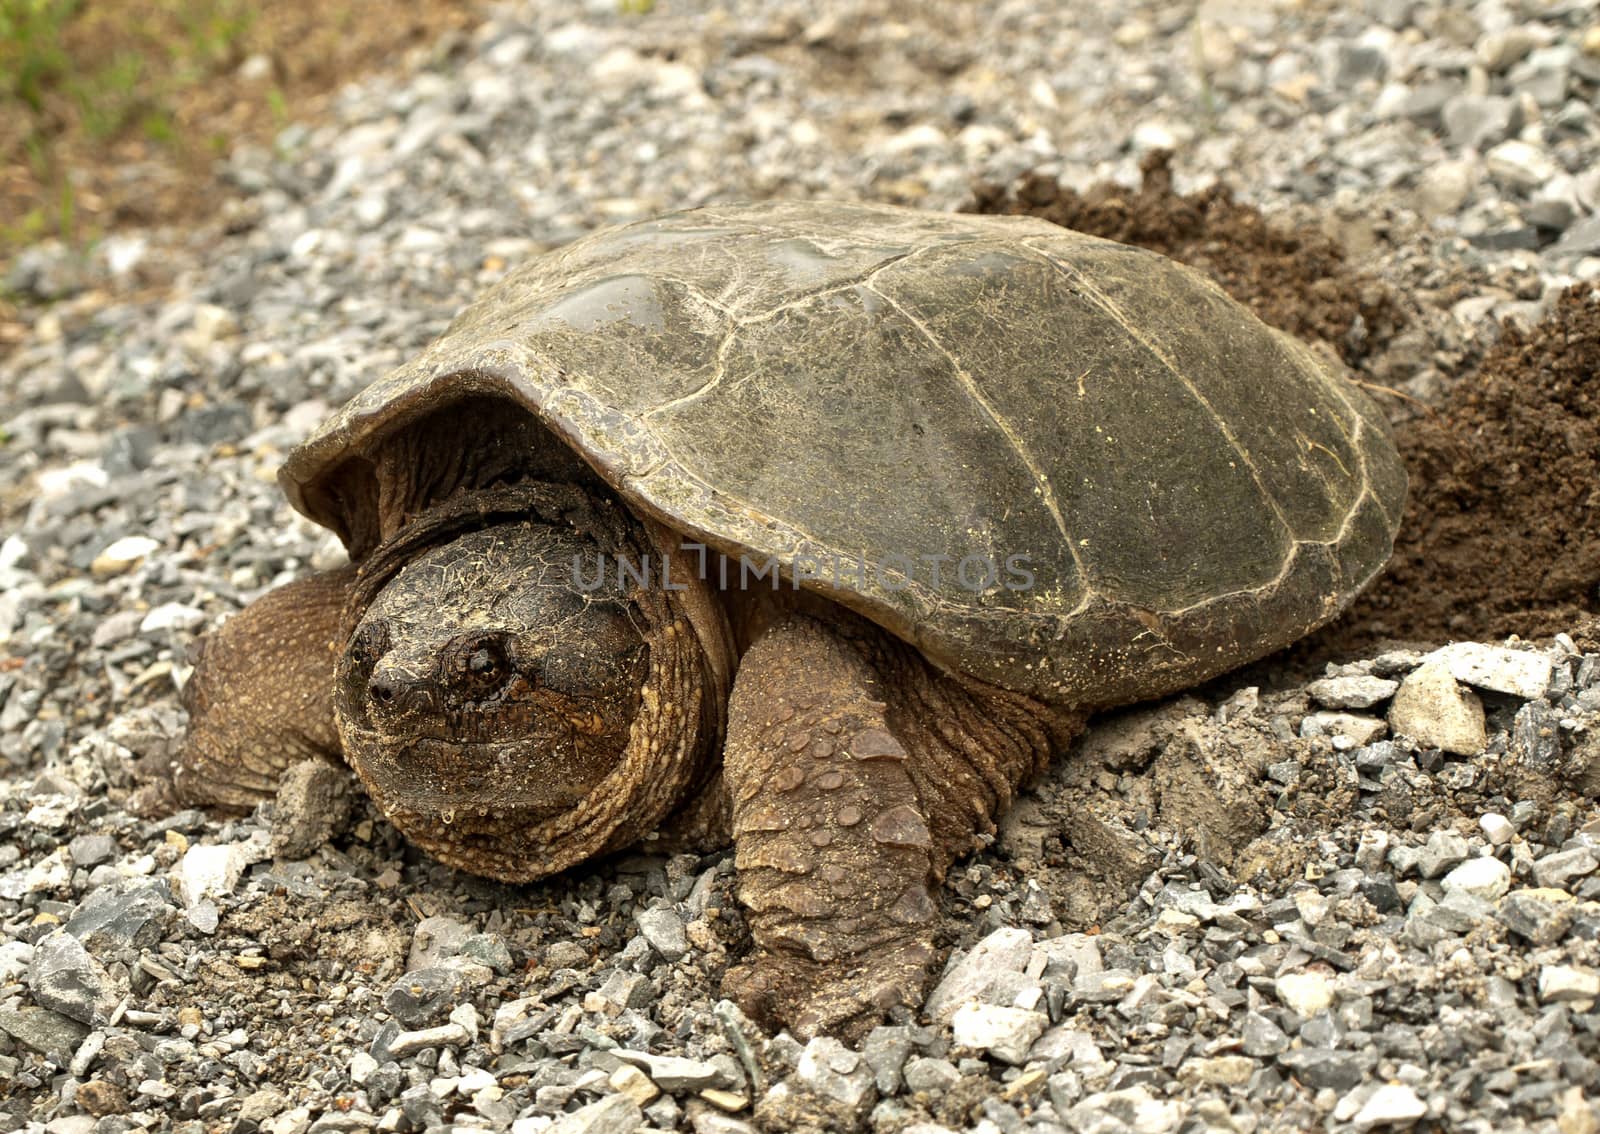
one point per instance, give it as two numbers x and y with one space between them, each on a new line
1366 902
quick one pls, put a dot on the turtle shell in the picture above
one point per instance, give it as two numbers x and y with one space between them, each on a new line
1063 465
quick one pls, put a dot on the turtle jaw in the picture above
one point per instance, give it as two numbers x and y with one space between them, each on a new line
477 807
466 804
444 778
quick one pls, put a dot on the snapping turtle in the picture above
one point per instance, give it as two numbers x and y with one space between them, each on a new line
822 526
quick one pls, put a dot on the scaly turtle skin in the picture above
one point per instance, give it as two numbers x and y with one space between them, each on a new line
822 525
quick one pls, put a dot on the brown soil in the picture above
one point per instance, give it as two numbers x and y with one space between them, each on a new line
1499 534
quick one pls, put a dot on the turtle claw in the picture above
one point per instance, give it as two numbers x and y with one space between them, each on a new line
846 998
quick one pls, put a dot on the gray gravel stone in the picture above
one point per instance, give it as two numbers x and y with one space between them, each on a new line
831 1070
627 990
1478 121
1353 692
44 1031
664 930
1260 1037
1320 1068
1516 673
614 1114
424 997
1073 1047
91 850
886 1050
1538 918
1581 239
436 939
489 950
1559 869
66 979
1442 851
110 920
313 803
931 1075
675 1073
975 975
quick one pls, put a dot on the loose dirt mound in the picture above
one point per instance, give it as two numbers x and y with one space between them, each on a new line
1499 536
1296 279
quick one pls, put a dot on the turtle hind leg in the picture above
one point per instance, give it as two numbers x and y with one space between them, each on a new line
261 696
838 849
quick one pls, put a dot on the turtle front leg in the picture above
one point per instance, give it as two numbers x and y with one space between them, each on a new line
848 809
260 699
833 849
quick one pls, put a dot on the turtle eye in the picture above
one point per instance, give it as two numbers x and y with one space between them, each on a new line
369 644
482 664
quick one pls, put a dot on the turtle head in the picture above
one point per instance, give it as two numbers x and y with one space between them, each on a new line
506 696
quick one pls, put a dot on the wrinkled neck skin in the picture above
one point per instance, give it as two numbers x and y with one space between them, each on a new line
512 700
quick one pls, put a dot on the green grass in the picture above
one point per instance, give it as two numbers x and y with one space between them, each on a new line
97 72
32 56
279 106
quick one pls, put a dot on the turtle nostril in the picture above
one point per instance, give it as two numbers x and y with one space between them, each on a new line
383 689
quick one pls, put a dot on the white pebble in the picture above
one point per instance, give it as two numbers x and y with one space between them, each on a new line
1486 878
1305 994
1568 982
52 484
1392 1104
466 1016
13 552
1517 673
1006 1033
1434 711
1352 729
171 616
1520 164
971 976
1496 828
213 871
125 553
1359 691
